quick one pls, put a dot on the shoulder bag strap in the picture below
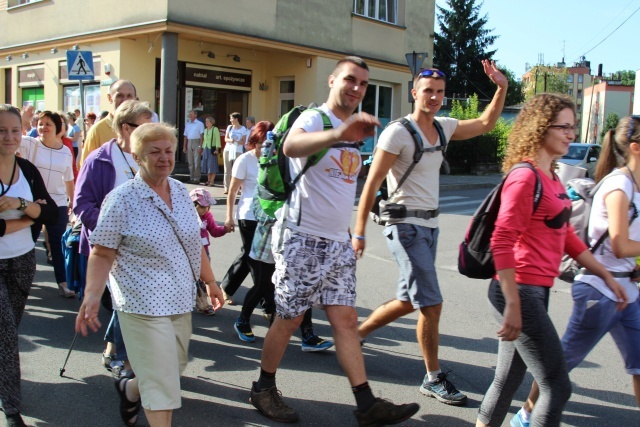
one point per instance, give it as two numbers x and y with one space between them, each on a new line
193 273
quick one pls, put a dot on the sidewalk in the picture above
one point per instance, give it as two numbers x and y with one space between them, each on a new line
447 183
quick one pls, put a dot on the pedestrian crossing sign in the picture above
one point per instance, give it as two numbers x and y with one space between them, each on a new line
80 65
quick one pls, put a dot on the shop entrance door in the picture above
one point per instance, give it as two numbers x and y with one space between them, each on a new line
33 96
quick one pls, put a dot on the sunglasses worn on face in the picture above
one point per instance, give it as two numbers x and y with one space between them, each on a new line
430 72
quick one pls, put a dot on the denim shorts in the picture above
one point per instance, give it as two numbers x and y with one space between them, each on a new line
592 317
414 248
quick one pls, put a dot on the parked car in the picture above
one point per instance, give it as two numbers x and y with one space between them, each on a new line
582 155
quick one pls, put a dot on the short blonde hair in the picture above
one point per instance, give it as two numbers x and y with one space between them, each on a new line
129 112
152 132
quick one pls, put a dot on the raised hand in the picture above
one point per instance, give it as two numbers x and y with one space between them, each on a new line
494 74
357 127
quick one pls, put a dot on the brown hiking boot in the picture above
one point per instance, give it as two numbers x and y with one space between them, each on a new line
270 404
384 412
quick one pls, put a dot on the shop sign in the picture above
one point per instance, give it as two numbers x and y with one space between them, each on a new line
218 77
32 75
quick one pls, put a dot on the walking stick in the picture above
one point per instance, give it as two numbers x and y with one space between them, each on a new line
68 354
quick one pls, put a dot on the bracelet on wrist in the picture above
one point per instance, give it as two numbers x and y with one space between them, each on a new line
358 237
210 282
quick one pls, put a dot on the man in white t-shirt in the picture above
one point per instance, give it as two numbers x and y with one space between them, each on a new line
315 263
193 131
413 238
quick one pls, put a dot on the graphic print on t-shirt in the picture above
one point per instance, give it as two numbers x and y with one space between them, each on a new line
562 218
348 166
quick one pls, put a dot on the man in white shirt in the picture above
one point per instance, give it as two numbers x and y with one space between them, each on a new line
413 237
193 131
315 262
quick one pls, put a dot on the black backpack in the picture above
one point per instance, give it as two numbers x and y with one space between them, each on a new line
474 256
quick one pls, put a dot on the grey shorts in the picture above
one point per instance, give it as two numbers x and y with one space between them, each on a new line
312 270
414 248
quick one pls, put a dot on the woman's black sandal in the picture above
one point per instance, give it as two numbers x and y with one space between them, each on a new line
128 410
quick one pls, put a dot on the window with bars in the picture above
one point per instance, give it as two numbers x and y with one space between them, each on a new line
382 10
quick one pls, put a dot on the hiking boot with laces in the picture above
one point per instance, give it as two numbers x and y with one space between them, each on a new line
270 404
443 390
384 412
315 343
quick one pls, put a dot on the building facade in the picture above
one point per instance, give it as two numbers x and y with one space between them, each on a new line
259 58
600 100
578 79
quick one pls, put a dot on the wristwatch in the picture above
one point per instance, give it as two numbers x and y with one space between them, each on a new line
23 204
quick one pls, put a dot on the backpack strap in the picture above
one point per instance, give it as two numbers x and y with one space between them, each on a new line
443 140
311 161
537 191
417 154
632 206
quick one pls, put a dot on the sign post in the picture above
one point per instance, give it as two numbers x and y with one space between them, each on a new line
80 67
415 61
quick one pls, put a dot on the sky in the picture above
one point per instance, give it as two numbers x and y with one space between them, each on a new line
569 28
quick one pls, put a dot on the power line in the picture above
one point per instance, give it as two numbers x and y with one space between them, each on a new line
609 35
604 27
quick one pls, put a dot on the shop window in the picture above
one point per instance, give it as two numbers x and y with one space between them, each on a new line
91 99
287 91
14 3
377 102
382 10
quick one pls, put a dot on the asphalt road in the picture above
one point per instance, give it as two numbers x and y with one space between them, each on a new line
215 386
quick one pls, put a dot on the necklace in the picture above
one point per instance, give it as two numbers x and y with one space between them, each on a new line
133 172
13 174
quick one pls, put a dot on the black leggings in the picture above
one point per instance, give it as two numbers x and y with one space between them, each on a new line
240 267
538 348
16 277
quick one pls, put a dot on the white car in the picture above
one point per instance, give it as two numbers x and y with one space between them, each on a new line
582 155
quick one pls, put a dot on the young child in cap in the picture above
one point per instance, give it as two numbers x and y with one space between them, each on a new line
202 201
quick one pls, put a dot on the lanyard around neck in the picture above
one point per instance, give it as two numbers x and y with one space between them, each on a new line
13 175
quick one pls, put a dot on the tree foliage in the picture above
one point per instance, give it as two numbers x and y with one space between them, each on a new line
545 78
610 122
628 77
515 93
470 110
462 42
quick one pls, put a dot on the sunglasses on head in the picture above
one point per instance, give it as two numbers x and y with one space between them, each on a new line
430 72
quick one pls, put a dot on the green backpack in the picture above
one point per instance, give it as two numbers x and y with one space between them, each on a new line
274 177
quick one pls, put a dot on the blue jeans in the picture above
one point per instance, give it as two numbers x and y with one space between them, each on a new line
592 317
114 335
414 248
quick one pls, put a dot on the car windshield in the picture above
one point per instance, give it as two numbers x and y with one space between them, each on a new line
575 152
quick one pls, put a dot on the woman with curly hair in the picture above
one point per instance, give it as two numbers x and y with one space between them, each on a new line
595 312
527 245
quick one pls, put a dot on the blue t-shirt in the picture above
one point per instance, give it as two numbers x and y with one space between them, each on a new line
73 131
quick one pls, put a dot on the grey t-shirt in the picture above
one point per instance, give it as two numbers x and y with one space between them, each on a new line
421 189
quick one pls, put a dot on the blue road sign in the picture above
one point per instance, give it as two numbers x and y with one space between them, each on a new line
80 65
